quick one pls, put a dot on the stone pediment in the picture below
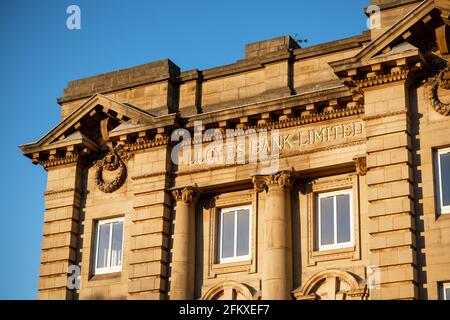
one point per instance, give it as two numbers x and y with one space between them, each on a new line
92 125
417 33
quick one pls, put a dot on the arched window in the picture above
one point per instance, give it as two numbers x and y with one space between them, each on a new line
332 285
230 290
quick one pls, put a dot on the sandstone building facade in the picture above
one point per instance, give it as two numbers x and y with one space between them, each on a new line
350 201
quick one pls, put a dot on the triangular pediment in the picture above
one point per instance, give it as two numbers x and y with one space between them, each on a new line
401 48
412 35
84 124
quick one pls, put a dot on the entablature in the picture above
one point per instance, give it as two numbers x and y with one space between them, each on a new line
282 112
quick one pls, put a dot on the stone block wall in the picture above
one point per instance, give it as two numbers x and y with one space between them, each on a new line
60 231
392 241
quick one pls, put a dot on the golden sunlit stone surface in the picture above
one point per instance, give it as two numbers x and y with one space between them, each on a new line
364 114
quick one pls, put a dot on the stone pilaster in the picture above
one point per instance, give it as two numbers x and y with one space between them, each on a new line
182 281
392 249
277 252
60 241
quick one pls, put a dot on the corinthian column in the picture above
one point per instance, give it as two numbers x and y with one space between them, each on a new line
277 254
183 252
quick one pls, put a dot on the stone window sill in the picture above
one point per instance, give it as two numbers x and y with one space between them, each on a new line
443 216
242 266
106 276
334 254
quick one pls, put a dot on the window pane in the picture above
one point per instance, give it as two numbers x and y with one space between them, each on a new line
243 225
445 178
343 218
447 293
228 235
326 221
103 245
116 244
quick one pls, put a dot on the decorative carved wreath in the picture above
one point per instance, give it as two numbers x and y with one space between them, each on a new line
113 160
440 82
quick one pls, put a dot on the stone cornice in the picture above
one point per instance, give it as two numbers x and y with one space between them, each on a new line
57 192
298 101
312 118
71 154
290 122
150 175
147 144
385 115
383 79
75 140
68 159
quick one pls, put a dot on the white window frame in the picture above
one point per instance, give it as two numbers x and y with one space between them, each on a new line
443 287
442 209
235 258
335 245
110 269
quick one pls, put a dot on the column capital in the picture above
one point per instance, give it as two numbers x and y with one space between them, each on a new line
187 194
282 179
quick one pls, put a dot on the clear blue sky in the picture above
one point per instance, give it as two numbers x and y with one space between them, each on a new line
39 55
